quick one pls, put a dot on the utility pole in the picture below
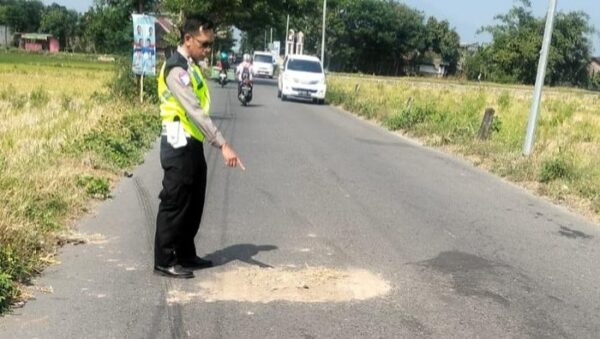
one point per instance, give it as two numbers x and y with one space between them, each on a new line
141 6
323 37
287 25
539 82
287 29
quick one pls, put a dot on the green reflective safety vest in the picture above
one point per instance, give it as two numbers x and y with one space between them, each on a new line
171 108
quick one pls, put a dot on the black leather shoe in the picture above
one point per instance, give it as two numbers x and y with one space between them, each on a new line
196 263
174 272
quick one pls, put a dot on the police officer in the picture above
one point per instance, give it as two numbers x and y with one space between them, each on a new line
184 109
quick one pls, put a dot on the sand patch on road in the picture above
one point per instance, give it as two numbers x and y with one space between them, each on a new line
306 285
77 238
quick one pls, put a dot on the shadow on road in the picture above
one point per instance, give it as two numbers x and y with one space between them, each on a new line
265 82
241 252
250 106
220 117
256 81
304 101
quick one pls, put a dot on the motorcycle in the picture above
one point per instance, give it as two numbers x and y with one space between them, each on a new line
245 92
223 78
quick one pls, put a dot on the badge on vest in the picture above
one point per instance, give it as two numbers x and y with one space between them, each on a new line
184 78
198 79
175 134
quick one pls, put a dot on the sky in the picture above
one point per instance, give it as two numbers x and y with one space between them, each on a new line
79 5
466 16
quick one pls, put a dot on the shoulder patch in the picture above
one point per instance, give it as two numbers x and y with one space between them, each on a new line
184 78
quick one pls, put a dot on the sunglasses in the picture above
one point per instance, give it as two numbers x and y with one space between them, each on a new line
204 44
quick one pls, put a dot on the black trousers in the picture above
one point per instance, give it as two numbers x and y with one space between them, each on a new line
181 202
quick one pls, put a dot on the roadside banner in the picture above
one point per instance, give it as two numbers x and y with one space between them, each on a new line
144 45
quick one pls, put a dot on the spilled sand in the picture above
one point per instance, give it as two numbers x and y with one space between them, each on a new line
304 285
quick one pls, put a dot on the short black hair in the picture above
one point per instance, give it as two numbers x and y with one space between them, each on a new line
193 23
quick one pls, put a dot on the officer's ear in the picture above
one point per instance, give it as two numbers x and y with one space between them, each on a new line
187 40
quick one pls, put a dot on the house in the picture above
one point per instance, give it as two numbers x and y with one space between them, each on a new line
163 28
437 68
6 36
438 71
594 67
39 42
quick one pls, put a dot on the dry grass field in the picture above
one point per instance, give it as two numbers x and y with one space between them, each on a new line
64 139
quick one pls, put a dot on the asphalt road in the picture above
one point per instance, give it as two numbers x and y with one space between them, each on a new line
467 254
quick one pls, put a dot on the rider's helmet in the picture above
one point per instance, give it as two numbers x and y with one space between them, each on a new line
247 57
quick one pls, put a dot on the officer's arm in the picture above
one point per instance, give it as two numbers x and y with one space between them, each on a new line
180 84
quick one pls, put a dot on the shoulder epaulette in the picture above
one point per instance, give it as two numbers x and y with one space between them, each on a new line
176 60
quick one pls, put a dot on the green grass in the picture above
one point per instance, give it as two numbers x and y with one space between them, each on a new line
65 138
30 61
448 114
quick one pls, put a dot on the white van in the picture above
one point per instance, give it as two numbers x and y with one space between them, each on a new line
263 64
302 77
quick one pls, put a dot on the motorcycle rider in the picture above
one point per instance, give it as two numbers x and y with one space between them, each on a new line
222 73
224 60
244 73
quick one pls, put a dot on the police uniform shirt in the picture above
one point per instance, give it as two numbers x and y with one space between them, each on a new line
179 83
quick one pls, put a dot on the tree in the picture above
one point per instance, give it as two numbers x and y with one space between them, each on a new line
474 64
253 18
443 40
380 42
570 54
517 39
247 15
107 26
24 16
224 40
3 13
513 54
371 36
373 32
60 22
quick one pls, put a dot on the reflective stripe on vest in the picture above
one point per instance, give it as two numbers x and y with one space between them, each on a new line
171 108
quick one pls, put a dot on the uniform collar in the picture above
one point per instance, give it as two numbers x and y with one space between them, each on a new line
181 50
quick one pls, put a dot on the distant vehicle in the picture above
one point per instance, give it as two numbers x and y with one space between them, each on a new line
237 59
263 64
222 78
302 77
